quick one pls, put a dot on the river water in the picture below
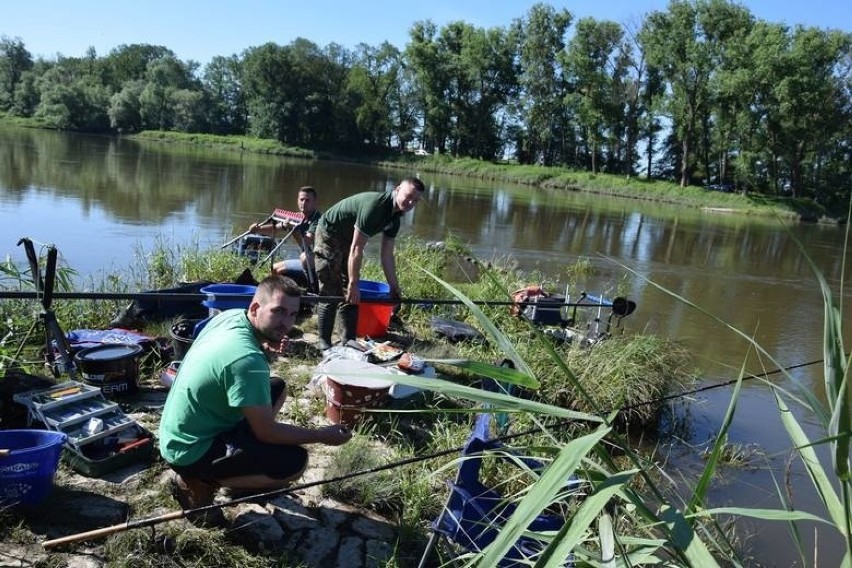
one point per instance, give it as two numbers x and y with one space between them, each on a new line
102 200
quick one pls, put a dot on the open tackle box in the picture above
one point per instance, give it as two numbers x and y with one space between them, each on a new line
101 438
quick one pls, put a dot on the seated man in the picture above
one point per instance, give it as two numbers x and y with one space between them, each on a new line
297 269
218 427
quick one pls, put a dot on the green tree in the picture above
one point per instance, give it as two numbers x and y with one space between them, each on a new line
70 100
540 108
124 107
674 43
404 100
375 73
293 93
189 110
593 63
432 82
223 83
164 77
26 95
15 60
483 78
267 93
130 63
813 103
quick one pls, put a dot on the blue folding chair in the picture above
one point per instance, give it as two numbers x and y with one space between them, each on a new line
474 514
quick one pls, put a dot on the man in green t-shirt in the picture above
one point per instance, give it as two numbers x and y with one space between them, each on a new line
218 427
341 237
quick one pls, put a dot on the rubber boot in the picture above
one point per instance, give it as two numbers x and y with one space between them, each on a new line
326 314
349 316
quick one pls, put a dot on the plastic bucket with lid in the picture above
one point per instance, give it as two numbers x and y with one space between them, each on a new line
28 465
347 395
112 367
227 297
373 317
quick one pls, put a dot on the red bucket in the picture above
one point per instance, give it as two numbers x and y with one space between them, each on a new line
373 319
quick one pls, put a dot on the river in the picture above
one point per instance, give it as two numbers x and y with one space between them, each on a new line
103 200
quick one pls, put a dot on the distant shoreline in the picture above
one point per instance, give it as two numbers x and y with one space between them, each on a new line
629 187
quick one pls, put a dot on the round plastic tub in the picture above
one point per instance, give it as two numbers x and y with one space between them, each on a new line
28 465
114 367
227 296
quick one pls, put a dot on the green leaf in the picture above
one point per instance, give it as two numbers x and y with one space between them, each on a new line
764 514
821 482
541 494
496 372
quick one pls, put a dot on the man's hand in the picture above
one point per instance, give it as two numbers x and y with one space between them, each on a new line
276 348
335 434
353 293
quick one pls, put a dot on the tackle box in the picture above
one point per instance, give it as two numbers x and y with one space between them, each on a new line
101 438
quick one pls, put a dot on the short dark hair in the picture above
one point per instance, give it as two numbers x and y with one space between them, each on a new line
275 283
308 189
416 183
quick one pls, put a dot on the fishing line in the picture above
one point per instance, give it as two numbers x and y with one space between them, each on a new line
306 299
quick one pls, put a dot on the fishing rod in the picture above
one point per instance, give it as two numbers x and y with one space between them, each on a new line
151 521
595 302
183 513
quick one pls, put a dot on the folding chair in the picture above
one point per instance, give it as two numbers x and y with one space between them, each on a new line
474 514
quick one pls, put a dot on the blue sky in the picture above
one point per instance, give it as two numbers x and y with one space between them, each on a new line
200 30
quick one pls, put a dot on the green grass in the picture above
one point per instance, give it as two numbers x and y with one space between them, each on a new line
235 143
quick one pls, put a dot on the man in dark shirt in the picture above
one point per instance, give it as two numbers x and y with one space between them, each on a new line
342 235
298 269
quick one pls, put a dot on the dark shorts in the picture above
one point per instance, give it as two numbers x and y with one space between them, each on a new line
238 453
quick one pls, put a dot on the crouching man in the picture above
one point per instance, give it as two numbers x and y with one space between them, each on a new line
218 427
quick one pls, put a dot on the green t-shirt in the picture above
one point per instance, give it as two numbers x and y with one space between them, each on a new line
313 220
224 370
372 212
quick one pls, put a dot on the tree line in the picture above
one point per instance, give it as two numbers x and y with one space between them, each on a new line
701 93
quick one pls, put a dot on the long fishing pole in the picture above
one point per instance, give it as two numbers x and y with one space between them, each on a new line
306 298
151 521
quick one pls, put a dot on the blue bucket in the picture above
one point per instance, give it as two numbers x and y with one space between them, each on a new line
27 471
239 296
371 289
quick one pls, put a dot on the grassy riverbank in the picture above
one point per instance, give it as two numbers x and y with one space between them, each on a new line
571 409
573 381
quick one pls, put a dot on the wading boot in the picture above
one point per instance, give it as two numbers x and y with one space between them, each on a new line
326 314
349 315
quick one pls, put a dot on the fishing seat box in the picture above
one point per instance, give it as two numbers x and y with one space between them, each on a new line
70 407
545 310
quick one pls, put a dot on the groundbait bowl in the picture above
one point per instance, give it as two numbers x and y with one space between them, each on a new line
28 464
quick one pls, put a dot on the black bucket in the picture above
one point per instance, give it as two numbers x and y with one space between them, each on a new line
182 334
112 367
